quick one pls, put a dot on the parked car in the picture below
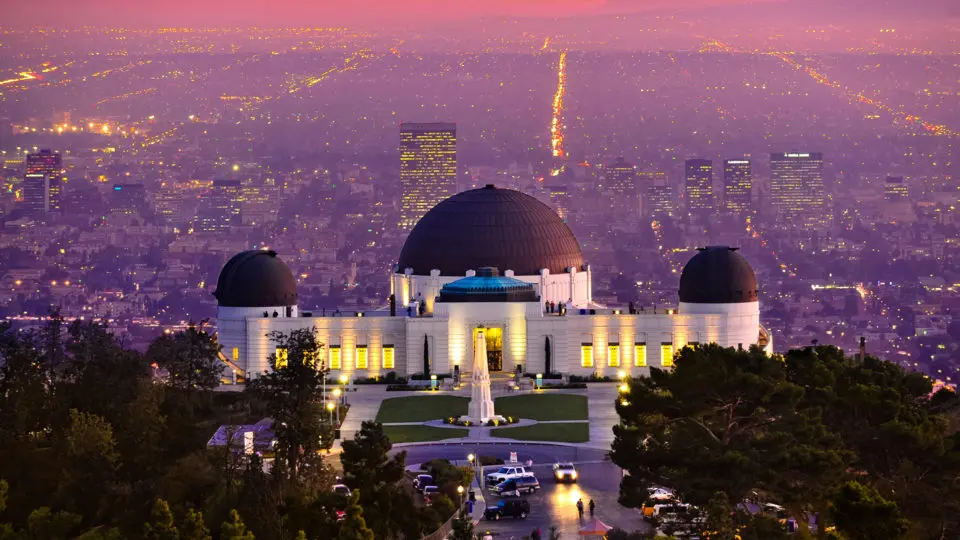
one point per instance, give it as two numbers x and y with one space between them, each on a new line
513 488
429 491
657 493
422 481
514 508
342 489
506 473
564 472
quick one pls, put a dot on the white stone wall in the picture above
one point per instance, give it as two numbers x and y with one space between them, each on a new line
450 330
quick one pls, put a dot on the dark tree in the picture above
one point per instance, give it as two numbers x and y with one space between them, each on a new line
190 357
293 393
547 368
861 513
426 356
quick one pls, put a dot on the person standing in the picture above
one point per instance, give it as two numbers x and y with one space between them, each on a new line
592 507
580 508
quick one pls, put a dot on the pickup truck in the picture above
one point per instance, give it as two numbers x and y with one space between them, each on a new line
506 473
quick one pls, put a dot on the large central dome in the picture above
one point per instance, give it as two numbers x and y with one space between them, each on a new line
490 227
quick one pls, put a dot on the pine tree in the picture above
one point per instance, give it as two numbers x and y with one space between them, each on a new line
234 529
354 527
194 528
161 525
462 529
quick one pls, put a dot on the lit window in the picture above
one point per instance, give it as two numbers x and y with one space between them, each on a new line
362 357
388 356
335 357
586 355
613 355
235 354
281 358
666 354
640 354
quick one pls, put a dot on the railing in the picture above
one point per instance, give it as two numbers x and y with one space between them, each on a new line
446 528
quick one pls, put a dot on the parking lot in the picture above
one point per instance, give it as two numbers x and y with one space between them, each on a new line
555 504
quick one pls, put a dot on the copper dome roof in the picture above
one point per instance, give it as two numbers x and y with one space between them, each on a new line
490 227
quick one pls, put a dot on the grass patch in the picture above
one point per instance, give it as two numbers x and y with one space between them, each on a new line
572 432
421 408
543 406
405 434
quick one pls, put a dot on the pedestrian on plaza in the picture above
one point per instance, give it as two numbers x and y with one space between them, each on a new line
592 507
580 508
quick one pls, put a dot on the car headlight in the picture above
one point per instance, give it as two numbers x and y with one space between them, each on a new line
573 474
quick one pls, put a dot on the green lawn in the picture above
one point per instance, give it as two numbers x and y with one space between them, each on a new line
405 434
572 432
543 406
421 408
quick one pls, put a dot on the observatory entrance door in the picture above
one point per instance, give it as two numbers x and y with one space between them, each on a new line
494 338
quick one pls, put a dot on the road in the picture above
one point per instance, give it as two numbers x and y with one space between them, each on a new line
554 504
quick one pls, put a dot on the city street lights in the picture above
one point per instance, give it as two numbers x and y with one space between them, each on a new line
460 491
336 394
471 458
330 407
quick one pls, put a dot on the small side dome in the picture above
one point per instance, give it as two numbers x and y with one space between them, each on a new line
488 286
256 278
718 275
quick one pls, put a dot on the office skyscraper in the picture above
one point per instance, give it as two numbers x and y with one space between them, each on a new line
127 199
894 190
797 193
659 200
49 164
221 210
698 187
36 194
428 168
737 185
621 179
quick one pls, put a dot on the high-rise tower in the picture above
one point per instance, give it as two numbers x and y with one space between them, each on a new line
428 168
698 187
796 189
45 194
737 185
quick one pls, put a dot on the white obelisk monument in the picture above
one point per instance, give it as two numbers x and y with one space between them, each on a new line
481 405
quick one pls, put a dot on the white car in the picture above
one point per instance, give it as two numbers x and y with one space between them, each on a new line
506 473
657 493
564 472
342 490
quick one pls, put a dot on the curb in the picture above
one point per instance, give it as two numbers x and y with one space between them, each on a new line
498 442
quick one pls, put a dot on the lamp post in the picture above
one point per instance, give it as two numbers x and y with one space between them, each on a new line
471 458
460 491
343 382
336 393
330 407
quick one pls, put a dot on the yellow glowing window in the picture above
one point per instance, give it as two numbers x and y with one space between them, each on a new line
640 354
235 354
666 354
281 358
613 355
388 356
335 357
586 355
362 357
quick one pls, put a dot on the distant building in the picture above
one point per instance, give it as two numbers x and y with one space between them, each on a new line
621 179
221 210
428 168
49 164
797 192
127 199
698 187
36 194
560 198
737 185
660 200
894 190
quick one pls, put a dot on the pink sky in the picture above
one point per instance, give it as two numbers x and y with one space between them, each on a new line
317 12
